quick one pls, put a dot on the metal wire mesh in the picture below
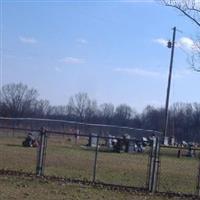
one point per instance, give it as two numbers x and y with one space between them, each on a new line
13 155
178 170
68 157
119 157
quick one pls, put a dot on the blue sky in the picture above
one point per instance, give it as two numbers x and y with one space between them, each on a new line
113 50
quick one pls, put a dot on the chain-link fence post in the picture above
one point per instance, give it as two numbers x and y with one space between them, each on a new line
150 165
154 165
95 160
41 152
157 164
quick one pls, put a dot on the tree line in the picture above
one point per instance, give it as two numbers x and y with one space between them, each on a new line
18 100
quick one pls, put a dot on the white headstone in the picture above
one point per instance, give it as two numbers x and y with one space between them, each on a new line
172 141
93 140
166 141
110 141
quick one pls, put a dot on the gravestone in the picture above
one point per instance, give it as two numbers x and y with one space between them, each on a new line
166 141
77 136
131 146
140 147
191 151
110 141
118 146
92 140
172 141
126 141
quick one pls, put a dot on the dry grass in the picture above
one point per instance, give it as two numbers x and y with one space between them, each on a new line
178 174
13 188
64 158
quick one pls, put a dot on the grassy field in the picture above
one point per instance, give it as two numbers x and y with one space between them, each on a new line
13 188
64 158
177 174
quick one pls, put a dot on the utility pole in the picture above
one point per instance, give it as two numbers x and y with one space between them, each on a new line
172 46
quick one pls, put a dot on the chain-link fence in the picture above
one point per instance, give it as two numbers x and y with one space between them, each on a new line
98 153
179 169
93 152
13 156
68 156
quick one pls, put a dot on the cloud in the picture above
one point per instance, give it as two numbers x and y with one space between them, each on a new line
72 60
161 41
138 72
81 41
28 40
184 42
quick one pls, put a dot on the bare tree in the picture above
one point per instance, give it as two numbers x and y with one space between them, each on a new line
17 100
123 114
91 111
107 112
153 118
78 104
190 9
42 108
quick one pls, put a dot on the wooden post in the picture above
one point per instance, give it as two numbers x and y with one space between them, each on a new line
41 152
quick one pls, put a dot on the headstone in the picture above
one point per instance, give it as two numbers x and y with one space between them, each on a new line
110 141
144 139
131 146
126 136
145 142
93 140
77 136
172 142
126 140
191 151
114 143
184 144
118 146
166 141
140 147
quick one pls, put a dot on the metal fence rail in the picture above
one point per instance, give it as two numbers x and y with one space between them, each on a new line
64 125
95 159
76 153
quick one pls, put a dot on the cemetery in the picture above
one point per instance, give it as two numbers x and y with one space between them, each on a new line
123 144
120 159
101 154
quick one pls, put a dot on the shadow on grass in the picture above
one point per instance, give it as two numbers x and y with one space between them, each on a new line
14 145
